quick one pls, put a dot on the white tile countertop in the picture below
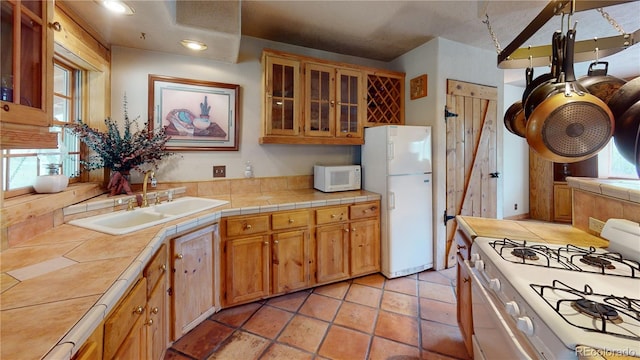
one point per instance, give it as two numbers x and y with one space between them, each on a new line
623 189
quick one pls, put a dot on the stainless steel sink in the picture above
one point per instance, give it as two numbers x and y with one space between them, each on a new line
123 222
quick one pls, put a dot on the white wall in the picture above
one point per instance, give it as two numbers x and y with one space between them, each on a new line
130 70
516 163
442 59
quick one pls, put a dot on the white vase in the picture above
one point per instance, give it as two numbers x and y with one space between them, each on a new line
51 183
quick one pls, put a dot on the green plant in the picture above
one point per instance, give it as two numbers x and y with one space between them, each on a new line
124 151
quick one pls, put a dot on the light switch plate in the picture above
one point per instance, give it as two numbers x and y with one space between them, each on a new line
219 171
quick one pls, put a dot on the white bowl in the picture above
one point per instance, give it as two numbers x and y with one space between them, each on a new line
47 184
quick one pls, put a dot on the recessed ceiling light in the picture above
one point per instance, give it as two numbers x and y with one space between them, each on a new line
118 7
193 45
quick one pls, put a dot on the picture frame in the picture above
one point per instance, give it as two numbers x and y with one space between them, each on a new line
198 115
418 87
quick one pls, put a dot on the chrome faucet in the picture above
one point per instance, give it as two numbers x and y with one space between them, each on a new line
145 201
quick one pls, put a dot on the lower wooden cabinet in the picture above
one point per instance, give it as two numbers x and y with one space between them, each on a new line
364 245
562 210
463 289
192 286
290 261
246 267
124 329
332 251
157 320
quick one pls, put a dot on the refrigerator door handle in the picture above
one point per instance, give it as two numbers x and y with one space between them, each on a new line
390 151
392 200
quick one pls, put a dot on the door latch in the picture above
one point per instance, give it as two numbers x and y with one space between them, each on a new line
494 174
448 217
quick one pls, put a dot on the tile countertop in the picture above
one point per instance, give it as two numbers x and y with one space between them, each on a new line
538 231
624 189
58 286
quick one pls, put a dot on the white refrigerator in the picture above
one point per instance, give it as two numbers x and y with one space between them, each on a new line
396 163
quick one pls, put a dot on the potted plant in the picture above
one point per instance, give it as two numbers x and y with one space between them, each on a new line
123 151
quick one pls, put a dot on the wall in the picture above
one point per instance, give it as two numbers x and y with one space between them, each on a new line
442 59
516 163
130 70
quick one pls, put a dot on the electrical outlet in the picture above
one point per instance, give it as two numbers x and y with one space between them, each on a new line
595 225
219 171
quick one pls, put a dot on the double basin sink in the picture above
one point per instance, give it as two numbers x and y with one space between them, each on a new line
123 222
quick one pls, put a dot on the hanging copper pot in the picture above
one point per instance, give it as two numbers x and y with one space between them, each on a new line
626 133
567 123
598 83
514 119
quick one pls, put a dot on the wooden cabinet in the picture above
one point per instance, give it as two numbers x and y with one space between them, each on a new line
290 261
193 285
364 246
92 347
385 98
332 251
549 196
157 316
314 101
124 329
463 289
246 269
26 69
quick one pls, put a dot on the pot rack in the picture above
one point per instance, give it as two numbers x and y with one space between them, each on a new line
514 57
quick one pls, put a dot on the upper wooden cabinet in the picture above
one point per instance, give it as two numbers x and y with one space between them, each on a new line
314 101
26 68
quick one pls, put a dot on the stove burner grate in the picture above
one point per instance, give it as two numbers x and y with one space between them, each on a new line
597 310
597 261
526 254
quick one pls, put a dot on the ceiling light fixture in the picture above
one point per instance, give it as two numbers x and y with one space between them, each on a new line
118 7
193 45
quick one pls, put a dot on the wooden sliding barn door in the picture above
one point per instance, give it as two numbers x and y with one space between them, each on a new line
471 116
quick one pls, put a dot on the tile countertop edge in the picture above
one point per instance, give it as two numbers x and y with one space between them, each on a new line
90 321
623 189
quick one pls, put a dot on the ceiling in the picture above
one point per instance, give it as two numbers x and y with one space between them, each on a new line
379 30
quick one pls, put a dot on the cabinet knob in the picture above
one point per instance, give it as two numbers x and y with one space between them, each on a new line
56 26
291 221
247 226
346 230
155 310
465 280
150 322
179 256
139 310
5 107
333 216
353 229
266 243
163 267
276 242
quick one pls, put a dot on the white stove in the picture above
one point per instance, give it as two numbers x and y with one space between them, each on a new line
552 301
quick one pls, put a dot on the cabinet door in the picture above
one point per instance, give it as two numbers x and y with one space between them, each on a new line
27 67
290 259
562 202
247 269
193 284
282 96
320 104
332 251
385 99
157 324
364 247
465 318
124 329
350 103
134 345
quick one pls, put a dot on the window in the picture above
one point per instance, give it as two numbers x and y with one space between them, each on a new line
612 165
20 167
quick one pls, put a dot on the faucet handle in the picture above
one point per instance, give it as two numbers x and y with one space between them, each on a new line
131 204
158 200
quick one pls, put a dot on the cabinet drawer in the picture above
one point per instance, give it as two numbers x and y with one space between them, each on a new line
156 268
289 220
124 317
332 215
247 225
363 211
463 244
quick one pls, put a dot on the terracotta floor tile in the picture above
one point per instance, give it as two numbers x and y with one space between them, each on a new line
201 341
438 311
364 295
241 345
399 303
443 339
236 316
343 343
450 272
174 355
320 307
304 332
337 290
383 349
428 355
281 352
398 327
375 280
402 285
289 302
357 317
434 277
437 292
268 322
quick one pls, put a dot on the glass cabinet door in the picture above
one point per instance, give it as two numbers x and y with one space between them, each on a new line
319 100
26 65
282 96
350 100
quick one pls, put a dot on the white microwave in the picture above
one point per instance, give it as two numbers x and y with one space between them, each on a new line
336 178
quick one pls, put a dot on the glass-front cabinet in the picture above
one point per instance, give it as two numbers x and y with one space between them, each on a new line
350 103
26 62
282 96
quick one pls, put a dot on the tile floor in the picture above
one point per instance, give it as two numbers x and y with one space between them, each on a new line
371 317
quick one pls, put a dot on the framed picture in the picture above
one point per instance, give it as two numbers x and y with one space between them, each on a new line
198 115
418 87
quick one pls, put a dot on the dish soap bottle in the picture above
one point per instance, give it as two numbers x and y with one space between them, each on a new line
248 170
